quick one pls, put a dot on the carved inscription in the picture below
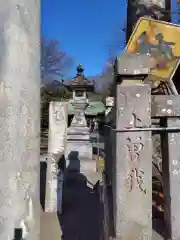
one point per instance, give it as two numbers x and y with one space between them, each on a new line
176 167
134 149
58 112
135 174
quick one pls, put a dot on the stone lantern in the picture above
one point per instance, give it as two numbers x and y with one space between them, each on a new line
78 136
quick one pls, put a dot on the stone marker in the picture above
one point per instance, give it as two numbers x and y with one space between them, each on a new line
132 183
56 147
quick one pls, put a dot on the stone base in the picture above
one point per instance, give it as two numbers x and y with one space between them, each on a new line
83 166
82 149
79 156
79 148
80 133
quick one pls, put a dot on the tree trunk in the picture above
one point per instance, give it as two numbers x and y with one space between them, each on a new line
19 118
157 9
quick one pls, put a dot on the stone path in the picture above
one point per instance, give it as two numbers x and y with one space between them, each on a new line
50 228
81 218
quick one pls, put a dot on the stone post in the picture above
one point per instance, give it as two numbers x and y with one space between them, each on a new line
108 184
171 177
132 178
58 114
19 119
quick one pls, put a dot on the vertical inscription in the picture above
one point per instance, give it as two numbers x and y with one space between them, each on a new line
58 112
135 174
133 163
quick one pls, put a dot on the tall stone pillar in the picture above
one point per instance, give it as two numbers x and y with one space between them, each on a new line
132 151
132 188
58 114
19 118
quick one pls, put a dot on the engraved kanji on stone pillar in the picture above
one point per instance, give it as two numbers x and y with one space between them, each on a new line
133 163
135 174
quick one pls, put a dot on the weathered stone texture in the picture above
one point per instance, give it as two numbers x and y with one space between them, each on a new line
58 114
165 106
171 179
19 118
133 164
133 106
79 148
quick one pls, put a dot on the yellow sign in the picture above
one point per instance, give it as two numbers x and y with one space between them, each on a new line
161 40
101 163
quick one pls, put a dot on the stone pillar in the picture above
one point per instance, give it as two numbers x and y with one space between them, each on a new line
19 118
171 178
107 179
132 170
58 114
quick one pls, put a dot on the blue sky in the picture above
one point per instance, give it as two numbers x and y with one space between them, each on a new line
85 28
175 16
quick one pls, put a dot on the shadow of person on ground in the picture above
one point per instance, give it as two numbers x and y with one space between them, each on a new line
73 163
82 211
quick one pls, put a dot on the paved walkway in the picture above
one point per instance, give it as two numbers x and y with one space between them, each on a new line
50 228
81 218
